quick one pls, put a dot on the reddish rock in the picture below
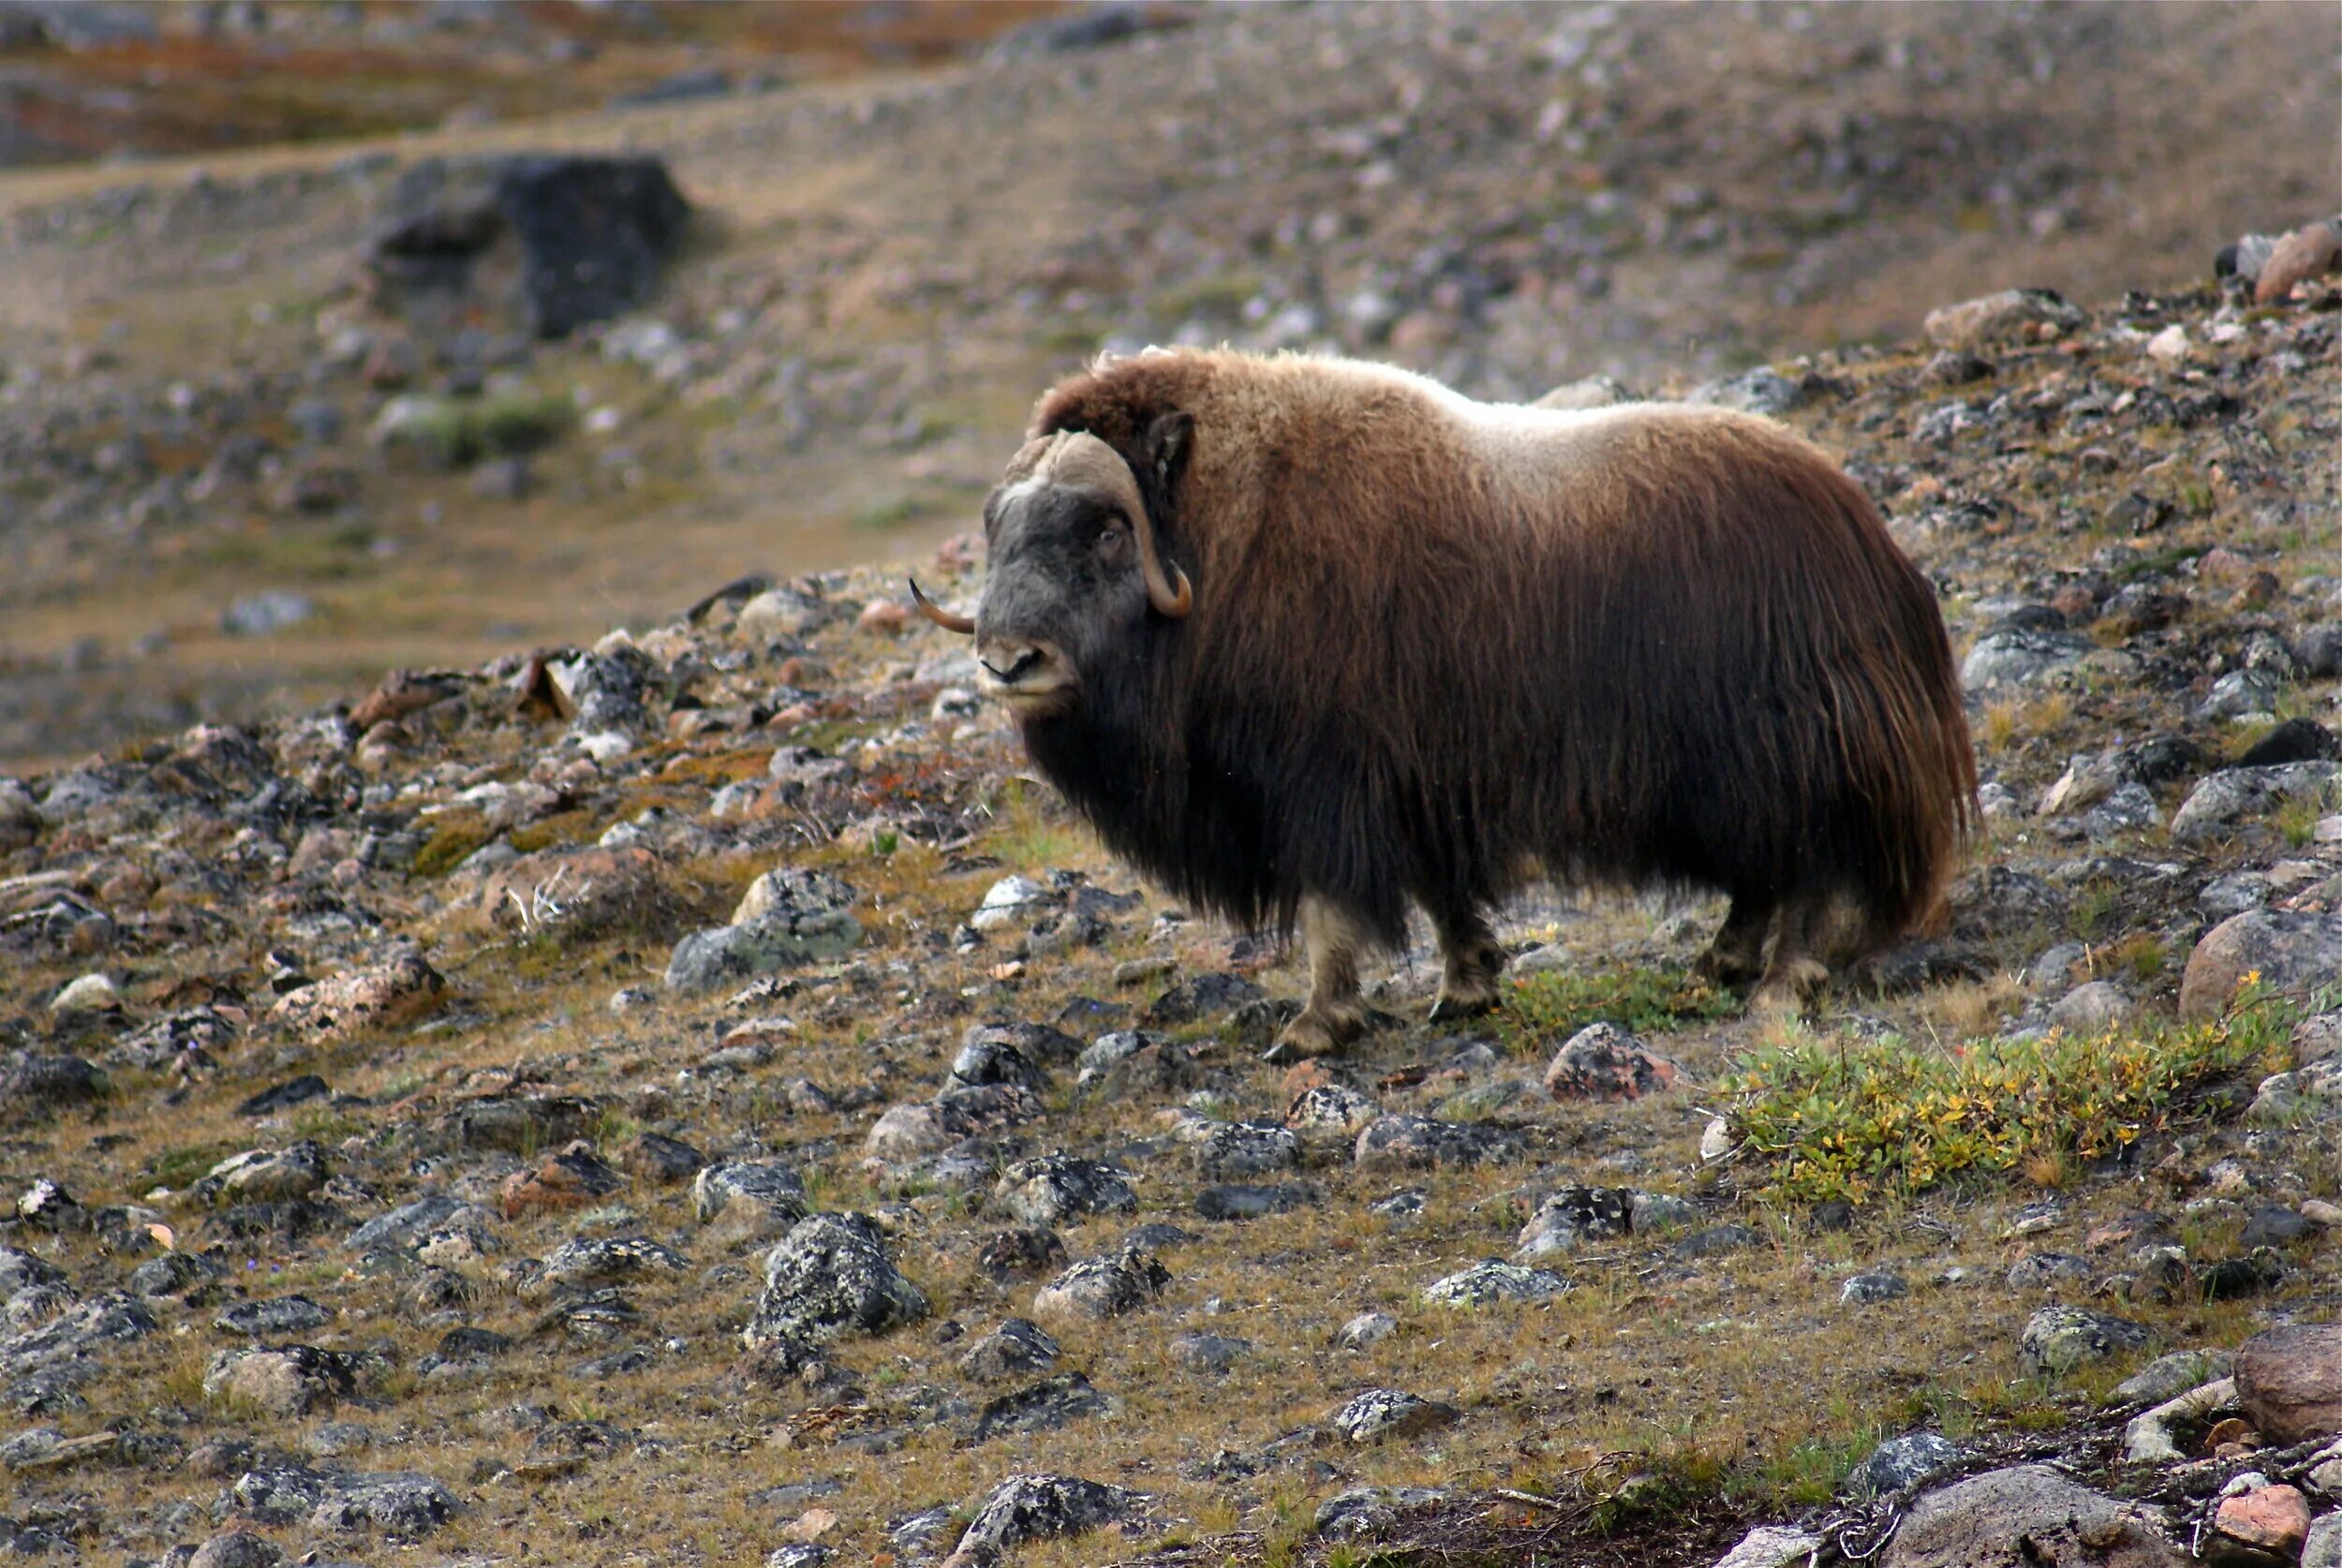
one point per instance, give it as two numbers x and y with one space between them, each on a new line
382 996
401 693
883 615
569 1179
2310 251
582 891
1603 1063
2289 1380
2274 1519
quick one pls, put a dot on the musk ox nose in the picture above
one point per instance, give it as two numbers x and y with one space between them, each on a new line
1019 667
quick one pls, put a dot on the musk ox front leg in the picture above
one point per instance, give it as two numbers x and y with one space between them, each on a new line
1336 1014
1471 961
1793 974
1736 955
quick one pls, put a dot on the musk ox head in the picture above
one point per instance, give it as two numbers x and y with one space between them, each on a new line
1075 567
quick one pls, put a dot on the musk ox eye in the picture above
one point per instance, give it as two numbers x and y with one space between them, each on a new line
1112 542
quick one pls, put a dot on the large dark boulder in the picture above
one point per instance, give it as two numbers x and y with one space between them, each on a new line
540 243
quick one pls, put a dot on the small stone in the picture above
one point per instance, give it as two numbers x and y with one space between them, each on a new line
2270 1520
1770 1546
2310 251
1869 1289
1900 1464
91 992
1366 1329
1379 1415
1603 1063
1209 1353
1035 1507
1103 1287
2058 1340
1490 1281
1017 1348
2092 1009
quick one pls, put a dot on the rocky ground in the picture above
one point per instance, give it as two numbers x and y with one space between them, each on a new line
692 1098
687 1095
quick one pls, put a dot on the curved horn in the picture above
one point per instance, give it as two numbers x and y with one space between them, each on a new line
964 625
1077 458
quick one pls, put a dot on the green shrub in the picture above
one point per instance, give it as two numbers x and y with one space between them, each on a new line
1844 1119
1543 1008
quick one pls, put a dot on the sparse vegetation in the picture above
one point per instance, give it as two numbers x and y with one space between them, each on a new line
1545 1009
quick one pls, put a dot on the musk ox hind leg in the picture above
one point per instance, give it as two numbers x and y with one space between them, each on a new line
1793 973
1471 961
1335 1013
1736 955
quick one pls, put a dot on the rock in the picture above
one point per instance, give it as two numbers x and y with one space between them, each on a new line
544 242
2296 740
1056 1188
829 1276
788 917
1761 391
397 1502
2041 1271
2310 251
749 1200
381 997
2008 316
284 1096
1016 1349
2057 1339
1366 1329
520 1123
35 1088
261 1177
2094 1007
237 1549
263 614
1327 1115
1236 1201
2293 952
2317 1038
2290 1382
2027 1516
1900 1464
1103 1287
2241 692
1363 1512
1869 1289
2323 1547
1603 1063
2264 1525
172 1274
2021 656
988 1056
590 1261
1379 1415
1028 1507
284 1381
1772 1547
1490 1281
2166 1376
582 892
1209 1353
288 1314
2223 800
90 993
1200 997
570 1179
1235 1151
1572 1216
1420 1143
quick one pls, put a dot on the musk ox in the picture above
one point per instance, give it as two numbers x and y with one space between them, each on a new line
1306 639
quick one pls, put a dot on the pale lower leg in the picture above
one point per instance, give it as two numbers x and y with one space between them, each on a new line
1335 1013
1793 973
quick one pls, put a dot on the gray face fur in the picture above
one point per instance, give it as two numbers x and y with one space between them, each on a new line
1063 592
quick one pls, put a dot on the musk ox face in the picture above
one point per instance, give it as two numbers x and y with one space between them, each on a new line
1075 571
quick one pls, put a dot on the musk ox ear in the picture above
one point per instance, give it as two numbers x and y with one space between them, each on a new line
1168 440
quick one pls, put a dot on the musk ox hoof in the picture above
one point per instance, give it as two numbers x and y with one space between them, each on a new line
1451 1006
1316 1033
1725 970
1788 987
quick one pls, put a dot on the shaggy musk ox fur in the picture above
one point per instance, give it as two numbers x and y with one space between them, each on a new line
1307 639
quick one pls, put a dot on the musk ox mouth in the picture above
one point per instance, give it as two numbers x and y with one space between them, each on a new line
1026 674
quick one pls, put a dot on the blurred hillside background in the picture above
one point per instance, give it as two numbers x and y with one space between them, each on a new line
268 427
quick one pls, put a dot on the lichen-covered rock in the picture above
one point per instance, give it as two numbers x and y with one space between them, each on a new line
1102 1287
2027 1516
829 1276
1234 1151
787 917
1055 1188
1038 1507
1017 1348
1604 1063
587 1262
1379 1415
2057 1339
749 1200
1490 1281
283 1379
33 1087
1573 1216
382 995
1423 1143
2232 796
